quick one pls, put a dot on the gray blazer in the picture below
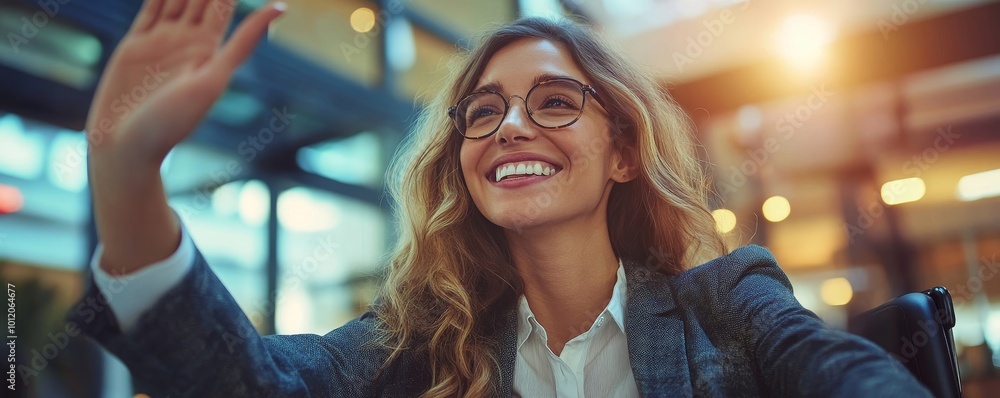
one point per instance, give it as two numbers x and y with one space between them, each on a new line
728 328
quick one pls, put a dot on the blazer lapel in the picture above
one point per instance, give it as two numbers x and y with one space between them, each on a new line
654 329
507 351
655 332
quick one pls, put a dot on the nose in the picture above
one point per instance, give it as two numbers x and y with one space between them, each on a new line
516 126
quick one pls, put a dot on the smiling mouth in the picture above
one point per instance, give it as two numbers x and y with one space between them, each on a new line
518 170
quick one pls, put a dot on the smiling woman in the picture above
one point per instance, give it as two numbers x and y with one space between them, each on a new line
553 218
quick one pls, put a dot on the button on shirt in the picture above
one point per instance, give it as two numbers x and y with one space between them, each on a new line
593 364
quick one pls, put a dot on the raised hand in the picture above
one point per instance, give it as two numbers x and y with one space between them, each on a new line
167 72
160 82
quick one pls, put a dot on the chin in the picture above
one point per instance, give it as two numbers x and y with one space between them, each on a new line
517 217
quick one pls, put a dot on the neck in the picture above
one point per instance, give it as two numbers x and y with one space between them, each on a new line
569 272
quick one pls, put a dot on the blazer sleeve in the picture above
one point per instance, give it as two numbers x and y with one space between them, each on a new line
796 353
196 341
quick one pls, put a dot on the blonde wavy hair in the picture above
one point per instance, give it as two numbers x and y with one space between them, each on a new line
451 271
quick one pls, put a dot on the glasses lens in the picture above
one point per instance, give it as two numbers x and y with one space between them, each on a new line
479 114
556 103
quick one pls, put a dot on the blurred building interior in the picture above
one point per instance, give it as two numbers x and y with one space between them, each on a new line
858 140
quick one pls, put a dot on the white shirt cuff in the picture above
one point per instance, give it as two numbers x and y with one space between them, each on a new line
129 296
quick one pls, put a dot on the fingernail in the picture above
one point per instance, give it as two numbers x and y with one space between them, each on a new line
280 6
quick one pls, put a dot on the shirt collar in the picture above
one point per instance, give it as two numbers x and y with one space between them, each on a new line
616 307
618 297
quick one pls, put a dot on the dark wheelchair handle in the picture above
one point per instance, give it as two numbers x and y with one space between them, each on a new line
945 306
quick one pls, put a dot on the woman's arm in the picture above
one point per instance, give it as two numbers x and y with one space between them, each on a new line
129 296
195 341
797 354
159 83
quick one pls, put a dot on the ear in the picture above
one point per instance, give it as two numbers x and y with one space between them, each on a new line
625 164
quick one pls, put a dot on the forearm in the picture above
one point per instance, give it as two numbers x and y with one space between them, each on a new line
133 220
746 298
799 355
196 341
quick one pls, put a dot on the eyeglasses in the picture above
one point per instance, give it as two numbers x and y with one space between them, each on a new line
550 104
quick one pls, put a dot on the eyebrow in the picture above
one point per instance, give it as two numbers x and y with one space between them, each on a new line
498 87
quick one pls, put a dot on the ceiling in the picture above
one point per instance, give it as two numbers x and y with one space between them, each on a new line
737 32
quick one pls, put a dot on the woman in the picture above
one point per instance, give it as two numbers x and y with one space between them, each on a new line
552 209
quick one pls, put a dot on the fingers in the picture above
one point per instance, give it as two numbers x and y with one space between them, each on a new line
195 11
148 15
243 41
173 9
217 17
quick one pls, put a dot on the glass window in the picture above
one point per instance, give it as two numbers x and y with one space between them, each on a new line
468 18
20 150
42 205
420 77
322 31
229 226
329 249
357 159
46 46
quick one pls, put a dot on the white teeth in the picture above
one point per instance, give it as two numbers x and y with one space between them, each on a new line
524 169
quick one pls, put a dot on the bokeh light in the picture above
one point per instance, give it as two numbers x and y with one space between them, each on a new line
979 185
903 191
776 208
11 199
362 20
802 40
725 220
836 291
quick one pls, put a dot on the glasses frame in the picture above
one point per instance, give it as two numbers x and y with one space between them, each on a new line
584 88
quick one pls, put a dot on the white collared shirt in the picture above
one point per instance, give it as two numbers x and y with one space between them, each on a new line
592 364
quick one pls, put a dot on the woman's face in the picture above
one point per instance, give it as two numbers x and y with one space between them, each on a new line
580 158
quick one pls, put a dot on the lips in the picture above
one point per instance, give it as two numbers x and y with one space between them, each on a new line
524 165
